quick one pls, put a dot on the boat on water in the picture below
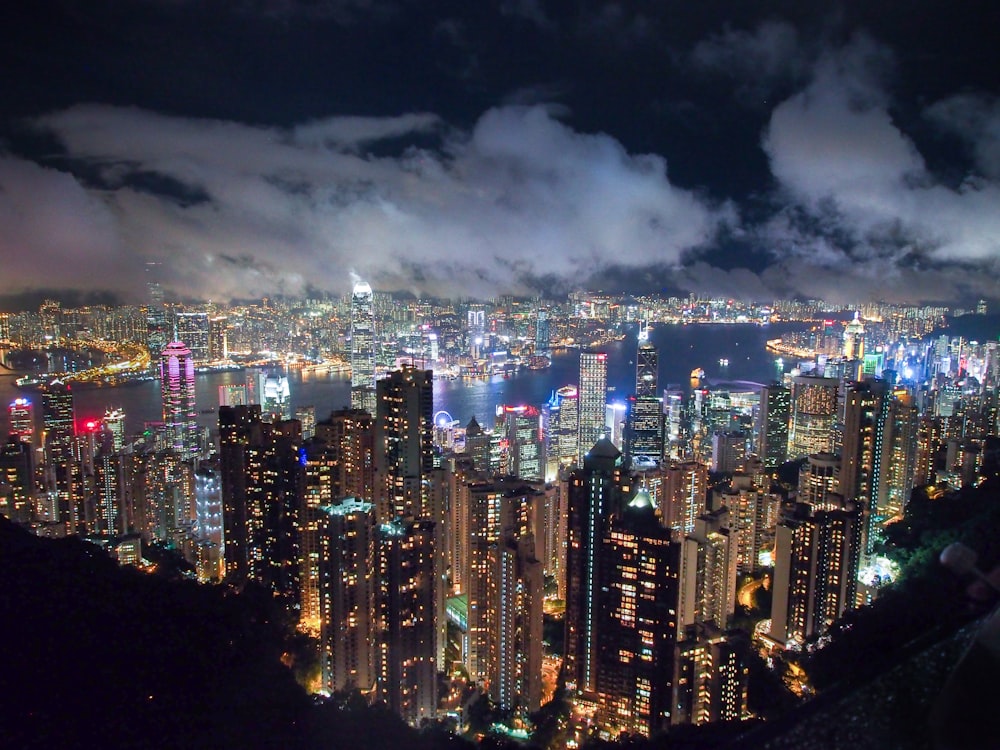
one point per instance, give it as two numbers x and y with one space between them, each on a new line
697 373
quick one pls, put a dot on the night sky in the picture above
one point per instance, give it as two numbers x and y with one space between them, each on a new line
758 150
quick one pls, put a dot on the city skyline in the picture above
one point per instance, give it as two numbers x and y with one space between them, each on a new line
522 147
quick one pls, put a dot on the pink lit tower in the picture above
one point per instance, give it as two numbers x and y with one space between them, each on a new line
180 417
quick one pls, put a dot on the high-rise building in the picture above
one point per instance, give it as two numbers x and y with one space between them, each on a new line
522 429
233 394
193 330
114 423
22 419
864 455
854 339
772 430
635 628
348 596
564 434
17 472
263 494
644 432
157 330
306 416
685 494
813 416
711 677
753 513
599 489
407 679
593 398
477 445
542 331
902 449
728 451
275 396
708 571
180 416
816 557
362 348
404 431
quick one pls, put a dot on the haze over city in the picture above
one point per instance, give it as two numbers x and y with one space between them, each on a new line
261 148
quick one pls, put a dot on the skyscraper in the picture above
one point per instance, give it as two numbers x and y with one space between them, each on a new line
564 436
708 571
865 452
403 442
362 348
193 330
22 419
407 613
593 395
180 416
596 491
772 429
813 416
522 428
348 596
636 621
644 432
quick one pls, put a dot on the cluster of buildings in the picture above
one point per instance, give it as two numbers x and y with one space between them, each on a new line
412 549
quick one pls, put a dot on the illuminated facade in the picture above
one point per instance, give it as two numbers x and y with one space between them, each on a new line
348 589
645 422
564 426
685 494
637 620
596 491
407 669
708 571
710 678
772 426
21 415
362 348
865 452
521 427
180 416
816 560
593 399
403 442
193 329
813 416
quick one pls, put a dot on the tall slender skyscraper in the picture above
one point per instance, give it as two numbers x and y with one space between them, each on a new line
593 395
362 348
772 427
644 434
180 416
404 431
814 413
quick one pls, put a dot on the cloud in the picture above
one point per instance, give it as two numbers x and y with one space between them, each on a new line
976 119
770 55
518 198
856 199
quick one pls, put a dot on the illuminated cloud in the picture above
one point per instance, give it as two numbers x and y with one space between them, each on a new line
238 210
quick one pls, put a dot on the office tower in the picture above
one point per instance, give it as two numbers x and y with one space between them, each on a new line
565 433
348 564
813 416
306 416
362 348
635 627
711 677
685 494
596 491
403 441
644 434
17 472
593 394
816 557
820 479
929 435
234 394
114 423
772 430
193 330
109 516
275 396
407 678
476 330
708 571
865 454
22 419
753 513
58 415
542 331
180 417
521 426
729 451
854 339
